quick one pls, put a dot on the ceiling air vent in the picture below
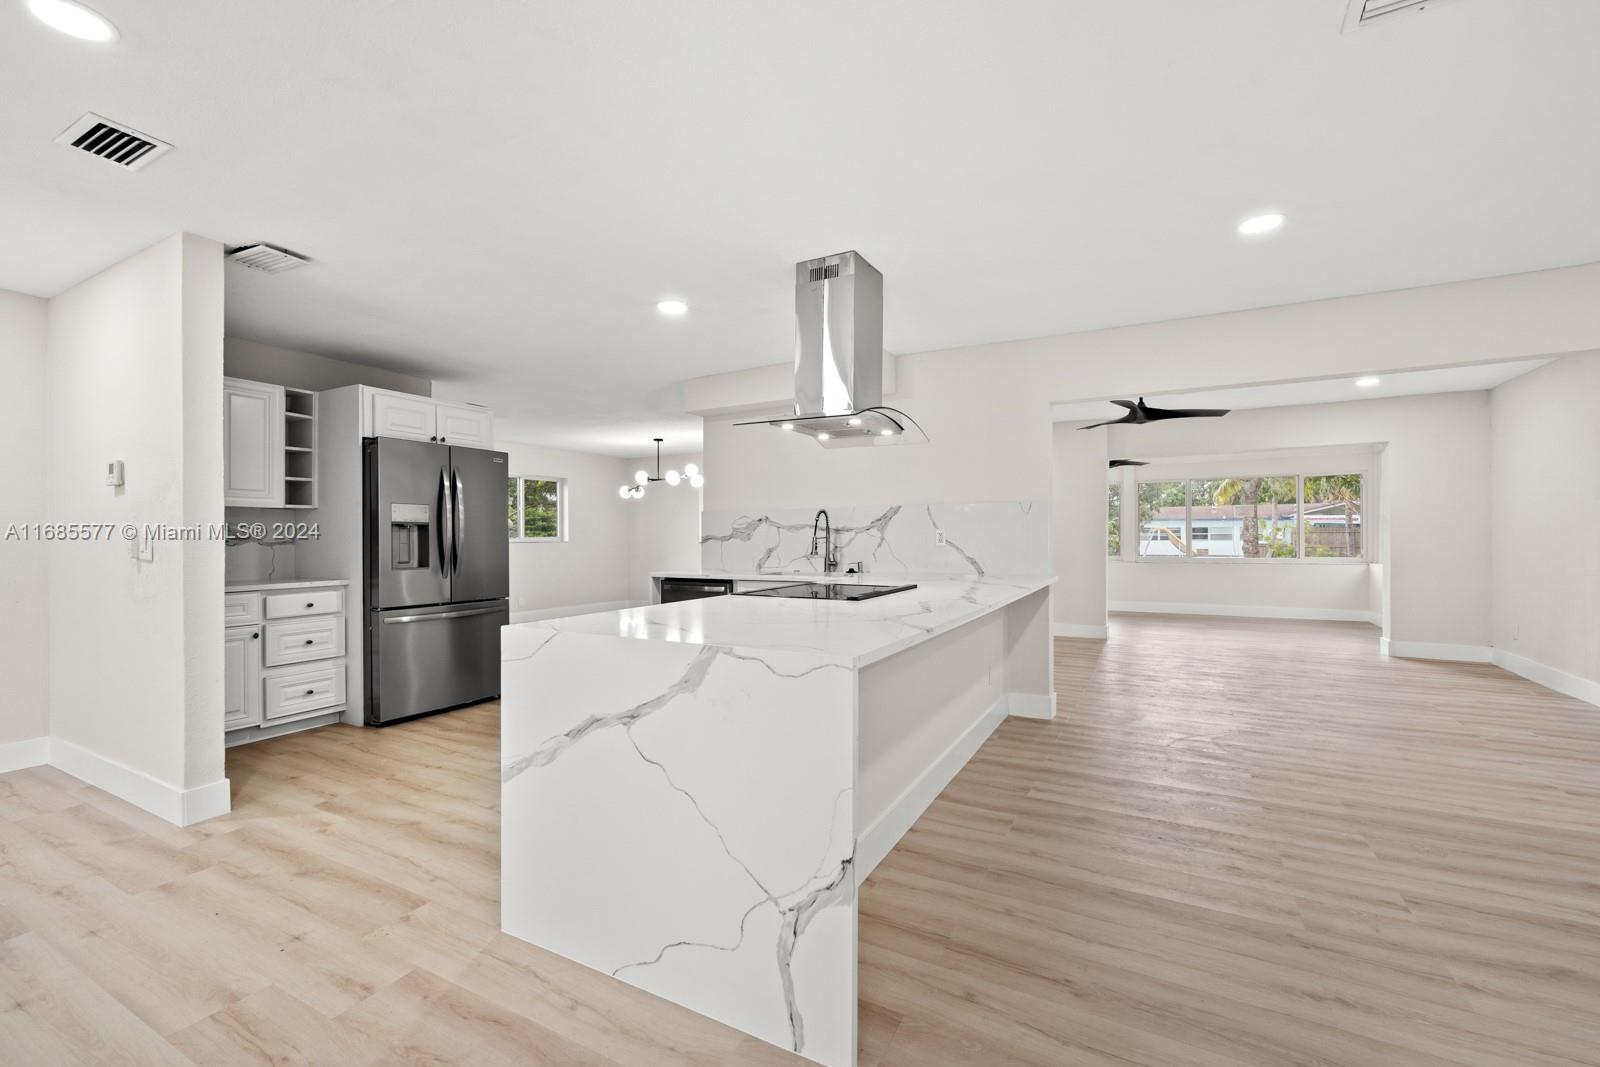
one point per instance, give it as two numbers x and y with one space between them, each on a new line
1365 12
267 258
113 142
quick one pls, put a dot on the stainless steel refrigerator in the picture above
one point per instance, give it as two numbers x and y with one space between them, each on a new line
437 576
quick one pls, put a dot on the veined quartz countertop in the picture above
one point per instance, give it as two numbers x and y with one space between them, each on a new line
281 583
853 632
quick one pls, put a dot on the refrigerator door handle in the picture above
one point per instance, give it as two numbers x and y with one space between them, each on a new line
390 620
447 546
459 522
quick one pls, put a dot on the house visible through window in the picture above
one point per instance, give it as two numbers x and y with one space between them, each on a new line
1163 519
536 509
1271 517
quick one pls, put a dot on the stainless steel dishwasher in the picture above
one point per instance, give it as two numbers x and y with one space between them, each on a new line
676 589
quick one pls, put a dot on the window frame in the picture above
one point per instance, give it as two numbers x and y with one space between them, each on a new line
1132 480
1115 489
563 520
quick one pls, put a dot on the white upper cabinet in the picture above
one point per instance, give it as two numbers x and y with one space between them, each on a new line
252 444
417 418
400 415
457 425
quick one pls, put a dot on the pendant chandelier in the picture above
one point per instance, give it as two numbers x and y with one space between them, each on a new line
642 478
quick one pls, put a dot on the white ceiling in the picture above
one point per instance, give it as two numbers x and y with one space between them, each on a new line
1318 391
497 192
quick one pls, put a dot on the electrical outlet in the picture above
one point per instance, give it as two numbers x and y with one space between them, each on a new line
938 537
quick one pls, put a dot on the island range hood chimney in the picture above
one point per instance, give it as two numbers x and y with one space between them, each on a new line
838 358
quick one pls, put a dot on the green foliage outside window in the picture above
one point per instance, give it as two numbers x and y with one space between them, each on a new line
533 508
1113 520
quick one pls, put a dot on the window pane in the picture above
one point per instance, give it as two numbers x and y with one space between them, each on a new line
511 507
1163 525
1246 518
1113 520
540 499
1332 516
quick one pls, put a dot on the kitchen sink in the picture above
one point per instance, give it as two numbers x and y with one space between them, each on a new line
826 591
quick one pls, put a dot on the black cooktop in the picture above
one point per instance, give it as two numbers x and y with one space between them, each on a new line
827 591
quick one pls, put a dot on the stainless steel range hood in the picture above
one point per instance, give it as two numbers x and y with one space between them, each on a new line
838 358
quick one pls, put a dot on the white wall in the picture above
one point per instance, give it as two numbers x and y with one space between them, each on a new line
663 527
258 362
1432 512
986 410
23 636
134 373
1281 588
1077 521
592 566
1545 461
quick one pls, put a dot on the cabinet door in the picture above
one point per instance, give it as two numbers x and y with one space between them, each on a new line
252 444
241 677
399 415
464 426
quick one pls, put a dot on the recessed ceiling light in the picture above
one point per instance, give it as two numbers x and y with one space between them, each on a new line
787 426
855 422
1367 383
887 433
1259 225
74 20
824 436
672 307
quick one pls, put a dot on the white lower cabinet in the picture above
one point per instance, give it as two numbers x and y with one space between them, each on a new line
293 691
286 669
241 677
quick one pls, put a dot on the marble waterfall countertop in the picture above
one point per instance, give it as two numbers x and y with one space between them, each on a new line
681 785
854 633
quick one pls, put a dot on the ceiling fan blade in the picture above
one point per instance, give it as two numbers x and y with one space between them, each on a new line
1130 405
1125 420
1128 463
1155 414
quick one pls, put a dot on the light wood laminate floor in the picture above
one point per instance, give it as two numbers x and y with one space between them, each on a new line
1243 842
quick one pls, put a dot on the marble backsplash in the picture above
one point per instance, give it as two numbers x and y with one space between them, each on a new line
994 538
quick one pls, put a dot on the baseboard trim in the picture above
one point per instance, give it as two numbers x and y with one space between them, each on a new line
250 735
535 614
1244 611
1031 705
1435 650
876 841
1572 685
1073 629
29 752
181 807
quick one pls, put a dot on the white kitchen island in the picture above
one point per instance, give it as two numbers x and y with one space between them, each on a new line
692 792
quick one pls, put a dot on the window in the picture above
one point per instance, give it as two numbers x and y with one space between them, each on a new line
1163 519
1331 516
1261 511
1114 520
1259 517
536 509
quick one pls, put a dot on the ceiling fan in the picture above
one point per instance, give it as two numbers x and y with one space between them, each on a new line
1128 463
1141 413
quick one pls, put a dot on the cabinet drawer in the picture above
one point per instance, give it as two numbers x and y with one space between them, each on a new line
297 640
304 602
294 691
241 609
